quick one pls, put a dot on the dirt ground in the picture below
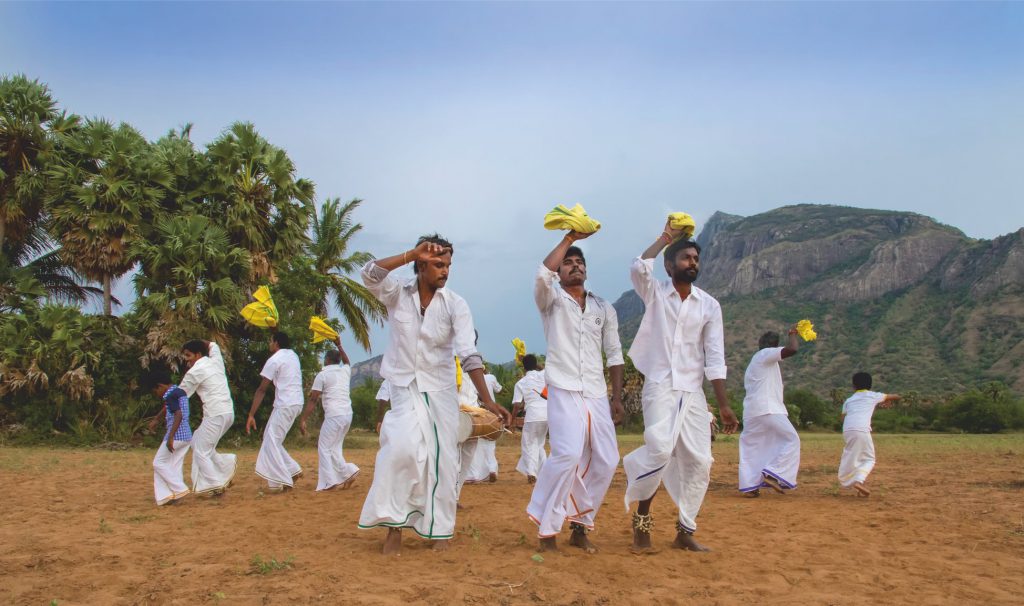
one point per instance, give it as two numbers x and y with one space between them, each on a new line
945 524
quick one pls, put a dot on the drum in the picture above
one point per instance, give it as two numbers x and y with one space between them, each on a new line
476 422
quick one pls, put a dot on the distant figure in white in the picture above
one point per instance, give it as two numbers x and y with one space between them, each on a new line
529 394
273 463
859 451
331 386
769 445
211 471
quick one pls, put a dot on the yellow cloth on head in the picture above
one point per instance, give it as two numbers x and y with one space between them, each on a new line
574 219
458 373
263 312
805 329
520 349
684 222
321 330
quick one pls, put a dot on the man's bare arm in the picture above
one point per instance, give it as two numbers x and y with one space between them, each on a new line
554 258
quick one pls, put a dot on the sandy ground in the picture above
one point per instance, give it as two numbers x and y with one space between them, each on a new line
945 524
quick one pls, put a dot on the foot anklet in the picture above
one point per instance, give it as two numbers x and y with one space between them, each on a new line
643 522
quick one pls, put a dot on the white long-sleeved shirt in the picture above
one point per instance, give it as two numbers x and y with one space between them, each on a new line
528 390
421 348
576 337
679 340
208 378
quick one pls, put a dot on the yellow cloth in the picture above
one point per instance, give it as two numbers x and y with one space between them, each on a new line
806 330
684 222
321 330
263 312
575 219
520 349
458 374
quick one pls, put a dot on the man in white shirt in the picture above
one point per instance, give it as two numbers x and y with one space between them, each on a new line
414 479
331 386
769 445
859 450
529 392
211 471
579 326
273 463
680 342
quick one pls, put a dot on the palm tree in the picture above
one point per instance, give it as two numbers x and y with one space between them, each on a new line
189 282
257 198
106 183
332 232
28 121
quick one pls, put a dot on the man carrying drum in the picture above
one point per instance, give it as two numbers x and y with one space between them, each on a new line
578 326
416 468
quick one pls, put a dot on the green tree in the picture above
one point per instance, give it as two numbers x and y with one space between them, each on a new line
332 232
106 182
255 195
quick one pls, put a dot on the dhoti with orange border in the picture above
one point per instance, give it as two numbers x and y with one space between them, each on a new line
584 454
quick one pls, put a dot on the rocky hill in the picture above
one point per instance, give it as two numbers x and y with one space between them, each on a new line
916 303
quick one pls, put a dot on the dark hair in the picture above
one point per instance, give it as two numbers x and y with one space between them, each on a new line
435 239
575 251
768 339
155 377
862 380
681 244
197 347
332 357
282 339
530 362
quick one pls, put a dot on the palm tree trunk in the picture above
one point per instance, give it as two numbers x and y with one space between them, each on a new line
107 296
3 231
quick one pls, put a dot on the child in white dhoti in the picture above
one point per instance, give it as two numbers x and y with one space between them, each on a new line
680 342
414 479
769 445
331 386
529 393
859 451
212 471
579 326
273 463
168 480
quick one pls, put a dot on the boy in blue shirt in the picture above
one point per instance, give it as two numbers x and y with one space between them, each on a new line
168 480
859 453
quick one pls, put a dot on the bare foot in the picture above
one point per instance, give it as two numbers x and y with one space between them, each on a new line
492 478
641 542
685 541
548 544
459 507
531 479
862 490
772 483
440 545
580 539
753 494
392 542
348 483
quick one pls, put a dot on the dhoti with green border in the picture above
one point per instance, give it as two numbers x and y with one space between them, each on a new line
414 477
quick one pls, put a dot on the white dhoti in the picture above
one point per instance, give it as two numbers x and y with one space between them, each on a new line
769 445
477 467
676 450
584 453
858 457
532 455
273 463
168 477
415 474
467 452
211 470
333 468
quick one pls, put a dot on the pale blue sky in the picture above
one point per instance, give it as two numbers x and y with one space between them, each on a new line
475 119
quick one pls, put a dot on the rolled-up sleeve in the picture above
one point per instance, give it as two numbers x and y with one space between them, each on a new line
610 337
641 273
544 288
380 282
714 345
465 337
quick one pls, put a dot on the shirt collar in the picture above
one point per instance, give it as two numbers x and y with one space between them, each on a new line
668 290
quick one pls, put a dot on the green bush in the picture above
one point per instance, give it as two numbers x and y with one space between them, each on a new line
986 410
